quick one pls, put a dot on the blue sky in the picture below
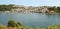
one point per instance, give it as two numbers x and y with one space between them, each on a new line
32 2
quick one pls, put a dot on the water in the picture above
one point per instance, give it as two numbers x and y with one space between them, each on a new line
31 19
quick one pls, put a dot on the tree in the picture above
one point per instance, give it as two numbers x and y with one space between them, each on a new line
58 8
11 23
7 7
19 24
51 8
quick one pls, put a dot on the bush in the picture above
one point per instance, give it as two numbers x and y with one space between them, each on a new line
11 23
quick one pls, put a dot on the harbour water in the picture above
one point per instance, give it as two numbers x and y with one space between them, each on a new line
31 19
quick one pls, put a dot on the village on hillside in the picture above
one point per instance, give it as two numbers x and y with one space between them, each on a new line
28 9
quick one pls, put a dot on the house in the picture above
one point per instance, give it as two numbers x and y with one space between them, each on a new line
44 10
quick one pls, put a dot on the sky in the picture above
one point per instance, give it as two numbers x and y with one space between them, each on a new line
32 2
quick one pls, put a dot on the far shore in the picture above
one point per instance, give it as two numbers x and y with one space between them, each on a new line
27 12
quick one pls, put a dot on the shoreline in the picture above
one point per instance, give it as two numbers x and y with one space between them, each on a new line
28 12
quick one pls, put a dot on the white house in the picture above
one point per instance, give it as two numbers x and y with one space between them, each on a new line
44 10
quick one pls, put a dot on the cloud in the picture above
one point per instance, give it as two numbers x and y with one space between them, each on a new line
31 2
